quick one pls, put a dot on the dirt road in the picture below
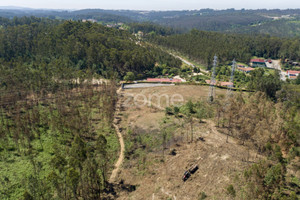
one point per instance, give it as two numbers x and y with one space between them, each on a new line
122 145
187 62
276 65
121 156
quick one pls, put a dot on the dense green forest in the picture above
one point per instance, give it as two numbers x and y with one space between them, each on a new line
202 46
151 28
218 22
76 46
99 15
279 28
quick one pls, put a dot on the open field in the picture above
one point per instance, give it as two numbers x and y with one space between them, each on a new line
164 96
157 174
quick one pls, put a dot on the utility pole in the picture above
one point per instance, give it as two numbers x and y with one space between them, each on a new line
212 83
229 89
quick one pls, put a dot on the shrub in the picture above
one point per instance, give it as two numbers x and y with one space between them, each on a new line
230 191
169 111
278 154
129 76
202 196
176 110
273 176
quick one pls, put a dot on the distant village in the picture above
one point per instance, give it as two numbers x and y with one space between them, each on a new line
111 25
253 64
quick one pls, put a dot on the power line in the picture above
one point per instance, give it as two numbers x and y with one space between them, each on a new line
211 94
229 89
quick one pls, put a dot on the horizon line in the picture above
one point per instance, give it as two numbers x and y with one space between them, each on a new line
12 7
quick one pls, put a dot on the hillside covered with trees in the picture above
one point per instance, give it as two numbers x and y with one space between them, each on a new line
77 46
56 134
202 46
59 84
280 23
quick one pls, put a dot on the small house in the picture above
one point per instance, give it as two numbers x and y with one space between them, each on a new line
246 69
257 62
292 74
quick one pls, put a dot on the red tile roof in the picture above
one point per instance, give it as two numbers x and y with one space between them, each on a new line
208 82
293 72
247 69
293 77
168 80
226 84
257 60
220 83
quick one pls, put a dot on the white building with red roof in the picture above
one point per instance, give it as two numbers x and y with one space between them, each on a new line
293 74
257 62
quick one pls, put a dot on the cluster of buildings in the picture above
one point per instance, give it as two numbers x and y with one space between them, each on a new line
257 62
116 25
89 20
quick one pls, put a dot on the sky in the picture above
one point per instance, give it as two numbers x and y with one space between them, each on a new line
153 4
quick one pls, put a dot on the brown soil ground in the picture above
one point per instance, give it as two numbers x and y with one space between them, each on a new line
219 161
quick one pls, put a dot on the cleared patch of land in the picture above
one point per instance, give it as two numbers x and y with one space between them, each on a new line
164 96
155 171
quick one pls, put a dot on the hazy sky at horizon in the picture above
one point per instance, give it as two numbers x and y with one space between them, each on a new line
153 4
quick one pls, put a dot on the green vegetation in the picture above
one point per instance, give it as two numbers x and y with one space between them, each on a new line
269 84
151 29
191 111
248 119
56 134
56 138
215 21
78 46
61 146
129 76
279 28
230 191
202 196
223 73
242 21
201 46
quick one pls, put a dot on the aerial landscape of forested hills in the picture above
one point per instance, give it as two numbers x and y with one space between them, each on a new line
46 68
127 104
283 23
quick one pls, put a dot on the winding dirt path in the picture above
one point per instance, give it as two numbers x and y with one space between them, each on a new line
121 139
121 156
122 145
